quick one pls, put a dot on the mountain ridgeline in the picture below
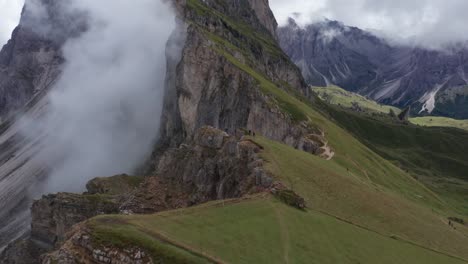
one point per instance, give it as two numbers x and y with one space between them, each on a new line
329 52
249 166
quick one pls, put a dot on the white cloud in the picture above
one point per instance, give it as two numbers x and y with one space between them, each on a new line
104 111
426 22
10 11
288 8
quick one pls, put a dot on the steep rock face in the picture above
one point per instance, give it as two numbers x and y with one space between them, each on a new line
22 251
452 102
206 88
331 53
31 60
265 15
55 214
214 165
28 65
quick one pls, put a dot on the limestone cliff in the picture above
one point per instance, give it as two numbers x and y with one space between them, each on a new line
227 52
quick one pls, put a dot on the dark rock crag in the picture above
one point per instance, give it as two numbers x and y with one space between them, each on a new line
204 88
79 248
405 114
31 60
52 217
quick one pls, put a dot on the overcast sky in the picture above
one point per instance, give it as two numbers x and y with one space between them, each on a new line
426 21
10 11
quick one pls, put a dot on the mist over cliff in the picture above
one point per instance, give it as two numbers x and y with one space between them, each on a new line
103 112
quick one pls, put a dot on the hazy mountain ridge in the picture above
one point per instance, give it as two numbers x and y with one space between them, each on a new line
329 52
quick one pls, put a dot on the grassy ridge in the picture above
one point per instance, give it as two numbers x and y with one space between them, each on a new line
437 121
436 156
115 231
359 196
338 96
263 230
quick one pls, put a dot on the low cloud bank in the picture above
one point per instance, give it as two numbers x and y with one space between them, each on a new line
103 113
428 23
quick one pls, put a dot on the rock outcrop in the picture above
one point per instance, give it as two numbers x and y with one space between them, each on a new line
213 166
265 15
53 216
405 114
79 248
22 251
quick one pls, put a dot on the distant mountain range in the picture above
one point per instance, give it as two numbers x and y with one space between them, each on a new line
431 81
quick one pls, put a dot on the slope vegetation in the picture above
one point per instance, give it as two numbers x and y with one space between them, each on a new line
262 230
432 150
338 96
439 121
335 95
435 156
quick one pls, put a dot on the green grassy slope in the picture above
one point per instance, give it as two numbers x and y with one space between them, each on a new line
436 121
338 96
436 156
264 230
374 196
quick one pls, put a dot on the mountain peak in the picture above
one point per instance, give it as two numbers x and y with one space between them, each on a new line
329 52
